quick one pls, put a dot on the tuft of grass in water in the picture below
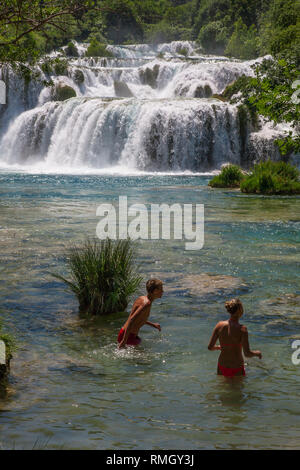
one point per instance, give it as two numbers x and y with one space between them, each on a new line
272 178
230 177
102 275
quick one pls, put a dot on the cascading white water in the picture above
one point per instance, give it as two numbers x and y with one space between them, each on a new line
139 110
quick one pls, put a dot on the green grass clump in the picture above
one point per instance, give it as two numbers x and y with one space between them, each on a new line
102 275
96 49
272 178
230 177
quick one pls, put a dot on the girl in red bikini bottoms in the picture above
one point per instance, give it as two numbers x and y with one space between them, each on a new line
233 339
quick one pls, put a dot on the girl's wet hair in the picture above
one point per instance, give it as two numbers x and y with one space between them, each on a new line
153 284
233 306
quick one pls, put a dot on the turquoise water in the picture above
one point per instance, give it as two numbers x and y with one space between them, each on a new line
71 388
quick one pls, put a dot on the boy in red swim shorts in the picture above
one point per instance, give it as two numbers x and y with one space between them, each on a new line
139 314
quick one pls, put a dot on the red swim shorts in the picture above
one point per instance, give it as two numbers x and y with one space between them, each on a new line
230 371
133 340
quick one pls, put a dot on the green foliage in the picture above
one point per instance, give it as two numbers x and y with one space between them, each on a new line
289 144
60 66
247 29
244 29
96 49
230 177
164 32
213 37
272 178
29 28
273 93
243 42
123 22
46 67
279 28
102 275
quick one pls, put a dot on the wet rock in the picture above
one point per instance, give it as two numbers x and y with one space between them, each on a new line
61 92
203 91
71 50
219 97
122 90
149 76
78 77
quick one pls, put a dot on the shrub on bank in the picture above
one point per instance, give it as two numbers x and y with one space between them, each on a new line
96 49
230 177
102 275
272 178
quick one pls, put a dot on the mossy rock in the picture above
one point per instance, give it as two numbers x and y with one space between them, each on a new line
122 90
219 97
71 50
63 92
78 77
182 51
203 91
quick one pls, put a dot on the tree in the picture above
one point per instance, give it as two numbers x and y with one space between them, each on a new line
21 19
243 42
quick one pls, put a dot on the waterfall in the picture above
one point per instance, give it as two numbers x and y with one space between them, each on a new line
147 108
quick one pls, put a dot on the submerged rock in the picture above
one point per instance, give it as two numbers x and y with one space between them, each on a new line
122 90
282 306
202 284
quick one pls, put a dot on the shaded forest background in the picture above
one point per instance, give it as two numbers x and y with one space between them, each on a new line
244 29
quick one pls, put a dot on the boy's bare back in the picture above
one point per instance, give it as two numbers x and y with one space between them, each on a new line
139 314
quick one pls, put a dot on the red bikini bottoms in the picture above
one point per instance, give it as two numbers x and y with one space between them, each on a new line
230 371
132 340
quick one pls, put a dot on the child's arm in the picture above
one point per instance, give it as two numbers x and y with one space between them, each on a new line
155 325
213 340
246 346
